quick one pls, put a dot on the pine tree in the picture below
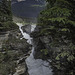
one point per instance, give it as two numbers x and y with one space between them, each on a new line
5 10
59 18
58 21
6 22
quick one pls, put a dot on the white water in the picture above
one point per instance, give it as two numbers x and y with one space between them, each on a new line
25 35
35 66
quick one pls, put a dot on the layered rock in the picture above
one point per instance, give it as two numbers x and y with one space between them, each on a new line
13 52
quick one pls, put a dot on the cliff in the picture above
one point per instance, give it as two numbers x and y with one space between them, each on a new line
13 52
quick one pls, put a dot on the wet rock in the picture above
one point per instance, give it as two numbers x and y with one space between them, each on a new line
21 68
27 28
41 42
38 47
35 34
14 51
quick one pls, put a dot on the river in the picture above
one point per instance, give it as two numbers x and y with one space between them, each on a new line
35 66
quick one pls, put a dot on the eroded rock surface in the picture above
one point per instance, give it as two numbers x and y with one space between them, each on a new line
13 52
26 28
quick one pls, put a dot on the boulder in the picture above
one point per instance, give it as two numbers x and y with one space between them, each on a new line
27 28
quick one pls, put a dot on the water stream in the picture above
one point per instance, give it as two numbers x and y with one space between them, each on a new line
35 66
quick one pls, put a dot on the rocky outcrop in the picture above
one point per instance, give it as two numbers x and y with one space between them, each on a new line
42 47
59 53
41 43
27 28
13 52
3 37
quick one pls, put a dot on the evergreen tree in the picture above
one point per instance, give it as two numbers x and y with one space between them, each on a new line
59 16
5 10
58 21
6 22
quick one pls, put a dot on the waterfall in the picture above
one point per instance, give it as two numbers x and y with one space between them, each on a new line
35 66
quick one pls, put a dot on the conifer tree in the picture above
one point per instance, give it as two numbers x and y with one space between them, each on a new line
5 10
59 18
58 21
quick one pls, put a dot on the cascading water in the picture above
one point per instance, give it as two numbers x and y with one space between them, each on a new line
35 66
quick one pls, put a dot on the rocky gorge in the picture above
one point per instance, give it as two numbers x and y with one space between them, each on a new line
35 66
17 53
25 51
13 52
37 46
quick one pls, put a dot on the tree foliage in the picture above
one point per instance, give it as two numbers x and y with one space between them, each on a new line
5 11
6 16
60 15
58 21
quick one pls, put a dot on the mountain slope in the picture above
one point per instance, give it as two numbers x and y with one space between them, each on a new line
27 8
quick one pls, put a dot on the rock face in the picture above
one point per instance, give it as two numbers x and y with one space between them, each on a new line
41 43
27 28
13 52
3 37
